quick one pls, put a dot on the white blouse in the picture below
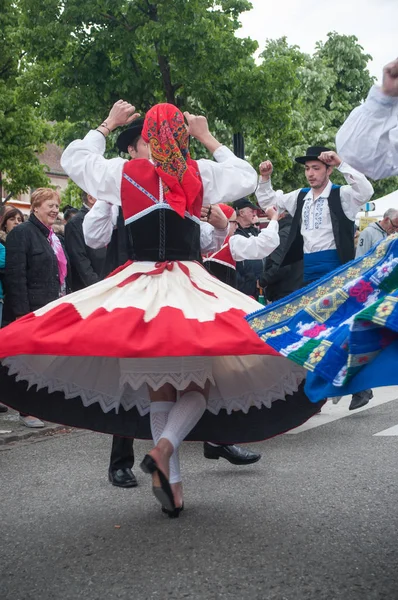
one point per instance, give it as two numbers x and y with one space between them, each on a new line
226 180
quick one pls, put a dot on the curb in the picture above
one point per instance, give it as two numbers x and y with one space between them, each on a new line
17 436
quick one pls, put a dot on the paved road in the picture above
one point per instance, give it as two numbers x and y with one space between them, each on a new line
315 519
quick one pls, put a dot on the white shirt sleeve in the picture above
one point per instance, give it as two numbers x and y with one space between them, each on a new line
255 248
267 196
357 193
368 139
211 239
84 162
227 178
98 224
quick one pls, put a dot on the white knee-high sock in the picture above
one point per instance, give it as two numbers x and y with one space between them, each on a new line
159 412
183 417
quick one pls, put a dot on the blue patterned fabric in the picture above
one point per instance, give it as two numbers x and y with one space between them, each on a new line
340 327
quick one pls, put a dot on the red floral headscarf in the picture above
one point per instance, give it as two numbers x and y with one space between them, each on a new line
167 134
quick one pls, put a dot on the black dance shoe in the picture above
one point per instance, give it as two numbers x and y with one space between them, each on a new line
233 454
360 399
173 514
163 493
123 478
3 409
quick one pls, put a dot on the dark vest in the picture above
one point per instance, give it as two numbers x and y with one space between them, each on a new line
155 232
343 229
117 250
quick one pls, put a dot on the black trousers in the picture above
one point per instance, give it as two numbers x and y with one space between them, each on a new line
122 453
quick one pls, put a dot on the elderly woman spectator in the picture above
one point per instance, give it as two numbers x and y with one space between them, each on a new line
36 264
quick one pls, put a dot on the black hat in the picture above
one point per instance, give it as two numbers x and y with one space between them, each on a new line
313 153
129 135
243 203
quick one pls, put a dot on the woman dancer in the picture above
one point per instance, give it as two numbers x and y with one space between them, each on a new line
160 335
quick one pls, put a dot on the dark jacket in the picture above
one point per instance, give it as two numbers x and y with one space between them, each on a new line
248 272
87 264
280 280
31 273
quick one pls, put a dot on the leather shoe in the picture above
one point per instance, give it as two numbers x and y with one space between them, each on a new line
123 478
233 454
360 399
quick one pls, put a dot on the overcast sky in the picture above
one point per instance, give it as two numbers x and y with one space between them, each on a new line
374 22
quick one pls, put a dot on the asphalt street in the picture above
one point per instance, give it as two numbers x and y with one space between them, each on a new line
316 518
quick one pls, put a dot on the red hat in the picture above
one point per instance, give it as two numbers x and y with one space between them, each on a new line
227 210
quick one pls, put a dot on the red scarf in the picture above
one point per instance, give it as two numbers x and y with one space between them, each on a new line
167 134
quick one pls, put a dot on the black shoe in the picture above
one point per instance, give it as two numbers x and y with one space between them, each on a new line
123 478
360 399
163 493
3 408
173 514
233 454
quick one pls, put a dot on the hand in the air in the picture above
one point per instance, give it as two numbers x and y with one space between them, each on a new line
390 79
197 125
266 169
330 158
121 113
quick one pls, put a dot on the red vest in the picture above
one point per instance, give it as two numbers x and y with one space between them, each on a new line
154 231
140 191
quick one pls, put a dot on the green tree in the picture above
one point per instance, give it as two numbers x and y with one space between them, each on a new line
327 86
85 56
22 132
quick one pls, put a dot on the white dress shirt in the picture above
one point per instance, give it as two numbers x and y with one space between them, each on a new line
226 180
368 139
100 221
316 223
255 247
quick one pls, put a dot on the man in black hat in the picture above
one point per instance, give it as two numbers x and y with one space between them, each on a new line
248 272
104 226
322 230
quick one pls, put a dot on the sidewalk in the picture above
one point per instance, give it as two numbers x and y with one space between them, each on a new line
12 430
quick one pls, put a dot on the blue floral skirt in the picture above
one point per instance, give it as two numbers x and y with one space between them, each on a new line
344 328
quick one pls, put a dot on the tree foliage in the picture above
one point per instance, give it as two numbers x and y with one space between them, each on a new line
328 86
78 58
22 131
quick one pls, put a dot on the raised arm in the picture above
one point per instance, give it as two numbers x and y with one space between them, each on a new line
368 139
227 179
255 248
84 162
266 195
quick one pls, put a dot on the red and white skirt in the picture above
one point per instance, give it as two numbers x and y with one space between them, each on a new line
88 359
